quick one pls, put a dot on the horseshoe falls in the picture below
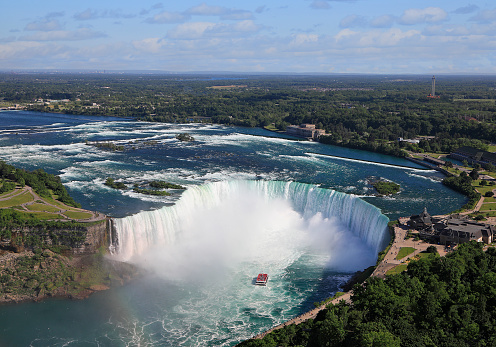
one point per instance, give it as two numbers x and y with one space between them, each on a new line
228 202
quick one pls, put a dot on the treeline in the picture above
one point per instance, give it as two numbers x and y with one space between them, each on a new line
358 111
463 184
439 301
39 180
366 144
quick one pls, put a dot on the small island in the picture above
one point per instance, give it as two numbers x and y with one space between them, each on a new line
386 187
157 188
106 145
185 137
110 182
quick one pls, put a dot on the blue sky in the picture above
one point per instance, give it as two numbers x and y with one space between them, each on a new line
326 36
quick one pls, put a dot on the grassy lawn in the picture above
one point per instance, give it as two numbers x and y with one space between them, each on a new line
42 208
404 251
422 255
59 204
488 173
77 214
271 128
491 149
482 189
397 269
452 170
491 199
43 215
17 200
6 195
488 207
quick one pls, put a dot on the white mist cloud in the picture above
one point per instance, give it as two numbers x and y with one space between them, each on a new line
426 15
246 231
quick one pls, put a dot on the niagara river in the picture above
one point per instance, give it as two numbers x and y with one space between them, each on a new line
255 201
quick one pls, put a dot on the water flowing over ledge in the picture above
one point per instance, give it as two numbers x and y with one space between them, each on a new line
136 233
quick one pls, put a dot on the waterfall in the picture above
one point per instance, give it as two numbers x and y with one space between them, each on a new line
139 232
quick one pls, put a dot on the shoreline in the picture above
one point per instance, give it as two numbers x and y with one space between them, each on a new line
372 162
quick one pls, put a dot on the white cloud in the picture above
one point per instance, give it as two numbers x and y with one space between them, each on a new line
44 25
302 39
63 35
466 9
197 30
149 45
222 12
167 18
376 38
427 15
188 31
152 8
438 30
320 5
353 21
384 21
27 50
206 10
86 15
90 14
485 16
246 26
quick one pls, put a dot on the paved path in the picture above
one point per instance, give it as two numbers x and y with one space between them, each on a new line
61 210
390 260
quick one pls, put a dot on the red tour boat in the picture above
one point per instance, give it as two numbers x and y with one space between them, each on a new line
262 279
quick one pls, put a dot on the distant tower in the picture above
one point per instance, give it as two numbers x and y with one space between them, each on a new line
433 86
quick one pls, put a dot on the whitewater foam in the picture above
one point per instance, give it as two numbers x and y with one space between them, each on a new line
149 229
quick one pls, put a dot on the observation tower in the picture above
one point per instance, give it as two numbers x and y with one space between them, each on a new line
433 92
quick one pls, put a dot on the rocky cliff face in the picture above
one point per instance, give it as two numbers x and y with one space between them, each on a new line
75 238
96 236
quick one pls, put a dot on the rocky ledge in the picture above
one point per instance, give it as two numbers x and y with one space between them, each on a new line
29 276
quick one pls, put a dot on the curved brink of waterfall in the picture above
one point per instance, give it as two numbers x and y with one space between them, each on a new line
135 234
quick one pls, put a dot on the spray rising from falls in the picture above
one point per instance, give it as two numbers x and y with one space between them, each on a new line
164 227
